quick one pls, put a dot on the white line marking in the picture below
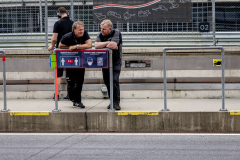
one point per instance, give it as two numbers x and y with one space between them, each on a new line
121 134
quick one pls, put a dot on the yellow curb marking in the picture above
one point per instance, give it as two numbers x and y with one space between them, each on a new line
234 112
126 113
29 113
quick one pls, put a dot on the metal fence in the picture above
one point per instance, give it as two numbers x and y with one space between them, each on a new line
25 19
195 48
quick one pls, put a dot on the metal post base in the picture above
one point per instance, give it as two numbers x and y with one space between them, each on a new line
223 109
56 110
163 110
111 110
4 110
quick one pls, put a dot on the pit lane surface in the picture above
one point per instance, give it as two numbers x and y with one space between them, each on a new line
118 146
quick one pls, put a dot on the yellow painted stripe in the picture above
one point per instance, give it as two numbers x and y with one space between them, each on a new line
126 113
234 112
29 113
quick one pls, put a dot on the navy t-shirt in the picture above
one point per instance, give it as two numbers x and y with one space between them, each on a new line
70 39
62 27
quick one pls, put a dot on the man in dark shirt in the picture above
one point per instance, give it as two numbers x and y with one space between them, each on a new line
77 39
61 27
111 38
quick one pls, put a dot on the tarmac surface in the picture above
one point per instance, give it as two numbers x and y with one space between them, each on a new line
100 105
119 146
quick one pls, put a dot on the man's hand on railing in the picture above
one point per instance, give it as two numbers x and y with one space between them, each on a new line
50 48
73 47
112 45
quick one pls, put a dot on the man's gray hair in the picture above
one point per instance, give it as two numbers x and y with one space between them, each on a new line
74 26
108 23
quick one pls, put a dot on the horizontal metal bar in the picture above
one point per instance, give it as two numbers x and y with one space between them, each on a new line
192 48
129 87
57 49
132 80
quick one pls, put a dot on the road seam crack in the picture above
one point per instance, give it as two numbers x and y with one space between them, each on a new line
48 147
69 146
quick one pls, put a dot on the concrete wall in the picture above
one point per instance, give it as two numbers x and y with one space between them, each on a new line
189 122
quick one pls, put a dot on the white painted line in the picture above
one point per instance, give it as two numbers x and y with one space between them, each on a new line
120 134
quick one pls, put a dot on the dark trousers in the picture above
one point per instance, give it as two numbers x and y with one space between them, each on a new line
75 79
116 87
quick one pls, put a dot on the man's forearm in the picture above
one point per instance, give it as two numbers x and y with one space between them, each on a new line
99 45
53 42
85 46
62 46
112 45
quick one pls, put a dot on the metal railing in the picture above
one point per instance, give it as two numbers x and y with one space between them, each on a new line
110 73
55 81
194 48
4 82
111 77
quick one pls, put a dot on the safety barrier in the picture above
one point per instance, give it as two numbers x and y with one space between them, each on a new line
110 72
194 48
4 82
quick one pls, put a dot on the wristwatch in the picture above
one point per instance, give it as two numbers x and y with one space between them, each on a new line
77 46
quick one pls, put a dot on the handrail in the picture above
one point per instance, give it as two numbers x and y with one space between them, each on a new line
192 48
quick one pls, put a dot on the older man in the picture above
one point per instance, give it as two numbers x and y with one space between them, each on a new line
77 39
111 38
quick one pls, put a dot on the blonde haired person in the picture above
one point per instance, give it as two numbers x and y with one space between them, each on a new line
77 39
111 38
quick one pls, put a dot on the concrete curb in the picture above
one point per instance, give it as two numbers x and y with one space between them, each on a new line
174 122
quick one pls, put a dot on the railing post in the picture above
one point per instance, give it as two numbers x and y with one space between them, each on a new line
56 86
223 80
40 13
165 80
111 80
46 24
72 8
213 23
4 82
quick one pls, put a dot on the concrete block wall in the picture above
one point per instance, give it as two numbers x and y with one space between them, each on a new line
164 122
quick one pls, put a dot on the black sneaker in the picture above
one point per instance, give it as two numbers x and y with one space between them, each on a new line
54 97
78 104
116 106
66 98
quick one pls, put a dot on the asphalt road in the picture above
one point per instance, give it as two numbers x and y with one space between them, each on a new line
119 146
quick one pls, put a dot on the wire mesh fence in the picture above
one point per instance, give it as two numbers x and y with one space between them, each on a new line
228 16
25 20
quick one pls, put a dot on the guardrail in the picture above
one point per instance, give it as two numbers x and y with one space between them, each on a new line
110 72
4 82
194 48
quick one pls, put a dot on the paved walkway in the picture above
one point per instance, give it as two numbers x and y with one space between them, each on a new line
100 105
